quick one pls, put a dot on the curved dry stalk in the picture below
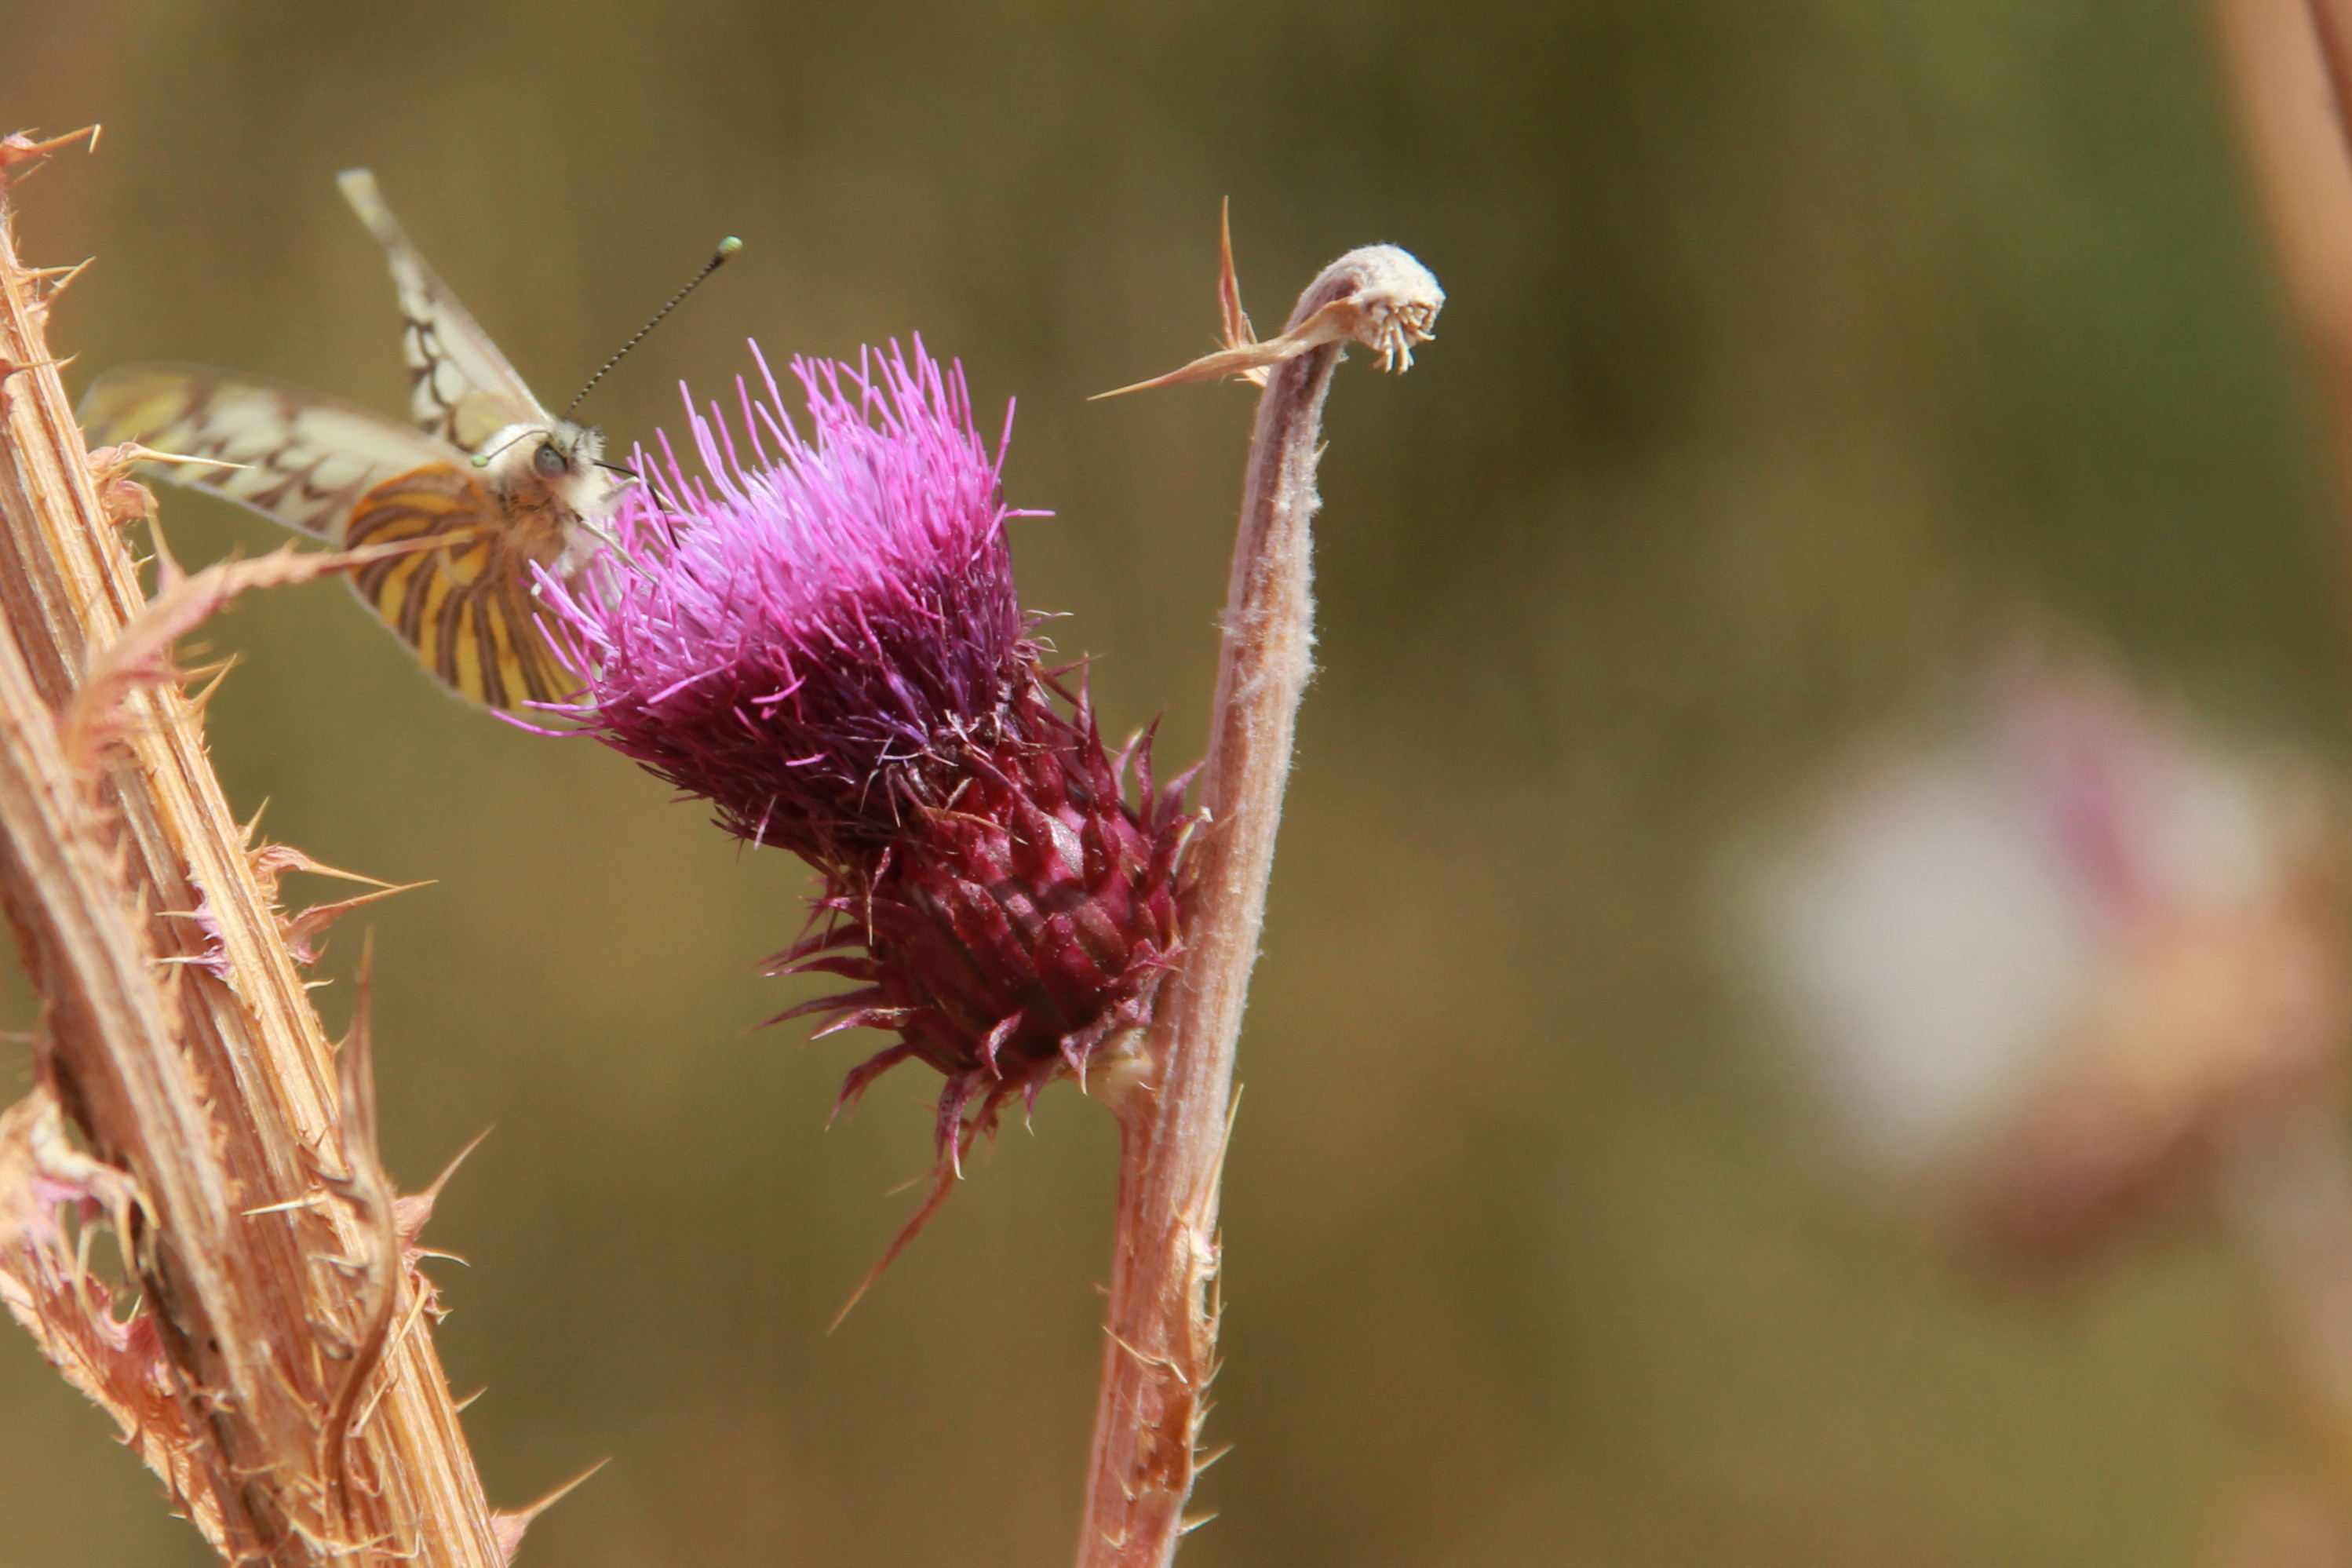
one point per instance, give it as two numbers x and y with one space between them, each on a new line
1160 1352
187 1061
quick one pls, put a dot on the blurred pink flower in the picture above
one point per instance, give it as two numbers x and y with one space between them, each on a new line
2042 962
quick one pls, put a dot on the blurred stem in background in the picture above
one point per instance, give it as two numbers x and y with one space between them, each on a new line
2288 1173
2288 66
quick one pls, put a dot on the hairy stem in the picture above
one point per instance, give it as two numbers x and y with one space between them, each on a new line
255 1241
1160 1352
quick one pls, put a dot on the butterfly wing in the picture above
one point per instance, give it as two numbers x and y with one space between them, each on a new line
461 389
467 607
307 458
353 478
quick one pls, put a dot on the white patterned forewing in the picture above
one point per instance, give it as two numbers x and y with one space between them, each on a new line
306 459
461 388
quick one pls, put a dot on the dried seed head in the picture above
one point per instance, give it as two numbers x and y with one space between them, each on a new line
2044 964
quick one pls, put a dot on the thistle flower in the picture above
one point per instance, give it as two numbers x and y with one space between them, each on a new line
819 635
811 641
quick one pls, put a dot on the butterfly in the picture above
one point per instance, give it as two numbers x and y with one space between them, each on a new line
508 485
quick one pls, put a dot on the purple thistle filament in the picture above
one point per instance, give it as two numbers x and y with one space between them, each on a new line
818 634
805 631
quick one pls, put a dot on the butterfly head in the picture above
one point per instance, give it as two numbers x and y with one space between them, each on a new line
553 473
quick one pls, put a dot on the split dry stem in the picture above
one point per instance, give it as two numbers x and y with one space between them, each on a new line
180 1062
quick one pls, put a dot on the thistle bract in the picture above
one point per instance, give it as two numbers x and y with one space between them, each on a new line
1020 929
818 634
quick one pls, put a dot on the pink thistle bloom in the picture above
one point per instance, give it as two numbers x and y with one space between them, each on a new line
809 641
820 636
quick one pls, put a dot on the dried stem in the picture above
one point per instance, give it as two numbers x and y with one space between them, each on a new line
2287 1168
1161 1347
183 1057
2288 67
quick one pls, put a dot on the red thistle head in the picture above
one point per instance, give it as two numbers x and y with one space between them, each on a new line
1021 928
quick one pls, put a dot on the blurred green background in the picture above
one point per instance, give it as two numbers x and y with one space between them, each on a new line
1784 335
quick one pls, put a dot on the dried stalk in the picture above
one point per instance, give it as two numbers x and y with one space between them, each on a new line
2286 1170
1159 1352
277 1294
2287 65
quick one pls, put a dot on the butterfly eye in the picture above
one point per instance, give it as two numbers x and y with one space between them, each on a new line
550 463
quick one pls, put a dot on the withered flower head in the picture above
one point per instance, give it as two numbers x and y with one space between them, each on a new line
2051 965
819 635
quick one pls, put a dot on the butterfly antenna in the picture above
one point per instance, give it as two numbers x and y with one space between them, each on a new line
482 459
727 247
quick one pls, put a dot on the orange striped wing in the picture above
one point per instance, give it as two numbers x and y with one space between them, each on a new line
467 608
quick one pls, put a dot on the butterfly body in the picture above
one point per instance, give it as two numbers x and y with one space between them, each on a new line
513 488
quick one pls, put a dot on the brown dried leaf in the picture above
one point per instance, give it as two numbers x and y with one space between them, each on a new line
363 1188
142 656
116 1362
1391 320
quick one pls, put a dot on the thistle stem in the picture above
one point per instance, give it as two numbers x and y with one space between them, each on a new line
1160 1347
2287 65
257 1226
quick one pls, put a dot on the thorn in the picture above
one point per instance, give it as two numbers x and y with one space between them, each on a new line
943 1182
64 276
306 1200
9 367
1393 306
22 149
219 672
1238 332
1161 1362
450 1169
130 453
508 1528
